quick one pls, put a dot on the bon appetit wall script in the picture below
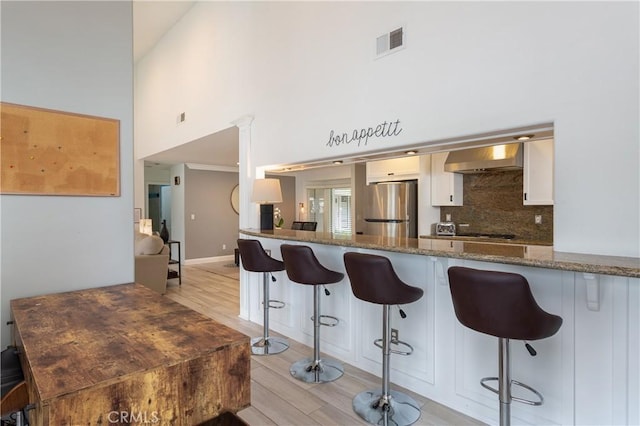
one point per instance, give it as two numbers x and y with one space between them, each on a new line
382 130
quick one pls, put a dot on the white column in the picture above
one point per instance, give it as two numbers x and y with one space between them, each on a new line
248 210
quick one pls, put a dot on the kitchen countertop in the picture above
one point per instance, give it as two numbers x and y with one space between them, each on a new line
540 256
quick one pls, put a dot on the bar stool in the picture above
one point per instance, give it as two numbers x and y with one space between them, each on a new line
303 267
374 280
255 259
501 304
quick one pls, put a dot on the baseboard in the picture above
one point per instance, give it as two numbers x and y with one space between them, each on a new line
209 259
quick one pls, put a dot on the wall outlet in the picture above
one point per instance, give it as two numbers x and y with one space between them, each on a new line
224 247
447 217
538 219
394 335
193 216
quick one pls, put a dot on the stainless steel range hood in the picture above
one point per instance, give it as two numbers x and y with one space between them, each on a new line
484 159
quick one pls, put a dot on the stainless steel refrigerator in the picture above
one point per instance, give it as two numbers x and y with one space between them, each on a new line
391 209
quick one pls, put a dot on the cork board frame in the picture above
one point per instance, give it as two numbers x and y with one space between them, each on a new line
47 152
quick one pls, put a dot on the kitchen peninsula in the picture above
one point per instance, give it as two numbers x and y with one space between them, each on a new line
588 373
473 249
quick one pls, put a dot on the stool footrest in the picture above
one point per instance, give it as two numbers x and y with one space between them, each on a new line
276 304
378 343
334 320
514 398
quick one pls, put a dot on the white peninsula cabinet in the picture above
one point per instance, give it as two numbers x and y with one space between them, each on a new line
446 187
589 372
403 168
538 173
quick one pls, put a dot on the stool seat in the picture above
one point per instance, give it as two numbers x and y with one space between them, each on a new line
255 259
303 267
374 280
499 304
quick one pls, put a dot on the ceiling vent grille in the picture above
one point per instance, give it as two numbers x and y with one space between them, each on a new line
390 42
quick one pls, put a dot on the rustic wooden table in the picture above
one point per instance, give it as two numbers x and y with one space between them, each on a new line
125 354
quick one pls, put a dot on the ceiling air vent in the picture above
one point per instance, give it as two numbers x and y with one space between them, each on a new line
389 42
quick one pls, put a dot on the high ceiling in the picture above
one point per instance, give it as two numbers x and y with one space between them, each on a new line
151 21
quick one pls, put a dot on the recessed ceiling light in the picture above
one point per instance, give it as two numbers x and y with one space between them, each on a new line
337 162
523 137
412 152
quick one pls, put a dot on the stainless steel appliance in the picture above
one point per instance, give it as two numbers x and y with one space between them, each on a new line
446 228
482 159
391 209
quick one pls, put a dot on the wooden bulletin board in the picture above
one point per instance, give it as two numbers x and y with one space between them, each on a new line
48 152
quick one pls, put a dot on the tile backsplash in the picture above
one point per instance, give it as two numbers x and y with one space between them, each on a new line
493 204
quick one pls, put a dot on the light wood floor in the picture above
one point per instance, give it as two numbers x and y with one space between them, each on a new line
276 397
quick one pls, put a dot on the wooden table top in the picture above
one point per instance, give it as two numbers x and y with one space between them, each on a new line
82 338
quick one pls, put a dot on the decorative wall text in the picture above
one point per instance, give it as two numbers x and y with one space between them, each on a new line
382 130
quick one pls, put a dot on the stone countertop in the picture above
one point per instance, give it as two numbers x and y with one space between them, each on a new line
487 251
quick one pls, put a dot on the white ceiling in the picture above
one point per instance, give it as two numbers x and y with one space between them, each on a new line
151 21
218 149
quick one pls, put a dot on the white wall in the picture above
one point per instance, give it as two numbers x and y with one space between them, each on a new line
303 69
77 57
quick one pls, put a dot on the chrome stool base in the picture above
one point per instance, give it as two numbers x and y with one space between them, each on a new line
398 408
268 346
323 371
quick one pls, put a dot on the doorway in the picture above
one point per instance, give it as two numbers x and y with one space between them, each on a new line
159 205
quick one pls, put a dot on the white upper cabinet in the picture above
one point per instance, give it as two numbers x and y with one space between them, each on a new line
403 168
446 187
538 173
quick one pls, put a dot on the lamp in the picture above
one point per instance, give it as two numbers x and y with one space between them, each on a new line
266 192
145 226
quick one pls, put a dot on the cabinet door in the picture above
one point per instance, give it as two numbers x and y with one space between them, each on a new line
446 188
538 173
403 168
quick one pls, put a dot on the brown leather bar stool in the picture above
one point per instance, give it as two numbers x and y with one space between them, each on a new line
255 259
374 280
501 304
303 267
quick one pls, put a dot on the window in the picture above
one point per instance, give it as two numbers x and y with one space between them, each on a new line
341 219
331 208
